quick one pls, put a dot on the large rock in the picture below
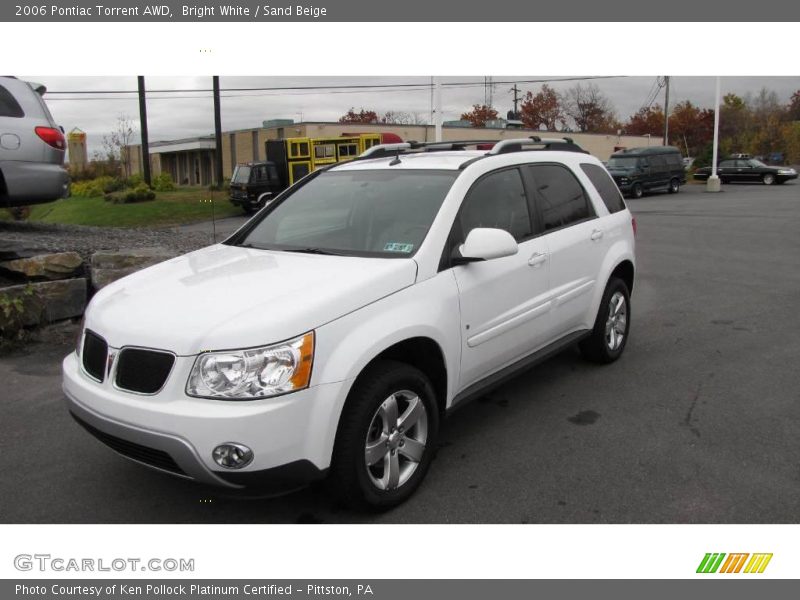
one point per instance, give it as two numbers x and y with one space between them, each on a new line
43 302
108 266
61 265
12 250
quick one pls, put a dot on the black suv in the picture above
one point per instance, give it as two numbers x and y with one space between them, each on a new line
742 168
255 184
640 170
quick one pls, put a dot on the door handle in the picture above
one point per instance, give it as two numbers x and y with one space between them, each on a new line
537 259
597 234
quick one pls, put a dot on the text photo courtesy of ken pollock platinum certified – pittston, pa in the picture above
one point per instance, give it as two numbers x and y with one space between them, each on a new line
256 10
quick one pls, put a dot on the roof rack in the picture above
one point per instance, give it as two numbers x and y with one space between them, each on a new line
381 150
519 144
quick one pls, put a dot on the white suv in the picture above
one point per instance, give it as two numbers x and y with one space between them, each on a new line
331 334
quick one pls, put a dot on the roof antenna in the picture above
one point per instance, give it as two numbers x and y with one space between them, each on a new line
396 160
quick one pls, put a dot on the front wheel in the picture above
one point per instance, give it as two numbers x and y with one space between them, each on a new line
611 327
637 191
387 437
768 179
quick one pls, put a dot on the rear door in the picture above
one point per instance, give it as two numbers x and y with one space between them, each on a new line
576 241
504 302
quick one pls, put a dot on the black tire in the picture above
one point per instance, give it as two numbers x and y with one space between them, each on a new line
350 479
637 191
249 210
595 348
674 186
768 178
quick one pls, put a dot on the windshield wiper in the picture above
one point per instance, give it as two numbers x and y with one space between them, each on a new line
315 251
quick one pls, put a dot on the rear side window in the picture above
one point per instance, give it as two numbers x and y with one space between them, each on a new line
559 196
497 201
9 107
605 186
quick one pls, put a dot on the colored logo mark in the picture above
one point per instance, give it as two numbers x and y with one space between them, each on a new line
719 562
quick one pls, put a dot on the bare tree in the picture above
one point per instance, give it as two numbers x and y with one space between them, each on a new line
116 145
590 109
394 117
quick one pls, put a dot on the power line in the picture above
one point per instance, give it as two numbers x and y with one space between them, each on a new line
335 87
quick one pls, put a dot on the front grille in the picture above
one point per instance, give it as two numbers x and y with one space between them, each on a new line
95 351
143 371
137 452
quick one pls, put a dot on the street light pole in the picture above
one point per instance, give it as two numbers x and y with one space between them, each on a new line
713 184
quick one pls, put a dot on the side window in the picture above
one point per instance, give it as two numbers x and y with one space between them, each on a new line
497 200
657 164
605 186
559 196
9 107
743 164
727 164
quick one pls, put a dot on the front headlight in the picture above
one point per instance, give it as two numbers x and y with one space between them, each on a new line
787 172
255 372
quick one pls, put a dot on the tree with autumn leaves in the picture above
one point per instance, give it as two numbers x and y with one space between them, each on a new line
479 115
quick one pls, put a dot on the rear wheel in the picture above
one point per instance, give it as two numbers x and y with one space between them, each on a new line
674 186
386 438
610 333
637 191
768 178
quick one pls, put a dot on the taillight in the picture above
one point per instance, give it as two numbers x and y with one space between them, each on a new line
52 137
633 224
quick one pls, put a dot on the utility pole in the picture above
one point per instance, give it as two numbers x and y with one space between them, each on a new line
666 111
217 132
143 121
516 91
438 113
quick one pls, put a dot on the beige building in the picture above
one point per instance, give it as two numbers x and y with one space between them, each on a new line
191 161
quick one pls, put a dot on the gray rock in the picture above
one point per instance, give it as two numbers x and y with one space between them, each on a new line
61 265
47 301
108 266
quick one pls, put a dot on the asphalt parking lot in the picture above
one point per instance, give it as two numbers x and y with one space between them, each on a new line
699 422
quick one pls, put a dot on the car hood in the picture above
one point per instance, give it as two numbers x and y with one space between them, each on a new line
226 297
621 170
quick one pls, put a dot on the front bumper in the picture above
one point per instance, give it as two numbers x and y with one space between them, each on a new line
291 436
623 186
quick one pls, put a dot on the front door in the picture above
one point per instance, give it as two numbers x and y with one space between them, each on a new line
504 302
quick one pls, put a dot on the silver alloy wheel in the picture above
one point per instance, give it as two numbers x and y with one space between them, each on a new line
617 322
674 186
769 179
396 440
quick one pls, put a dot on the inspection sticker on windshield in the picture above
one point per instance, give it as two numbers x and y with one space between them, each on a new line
398 247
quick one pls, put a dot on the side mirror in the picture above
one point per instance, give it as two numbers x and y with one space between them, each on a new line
484 243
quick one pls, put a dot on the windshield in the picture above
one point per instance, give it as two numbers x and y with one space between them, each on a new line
622 162
241 174
361 213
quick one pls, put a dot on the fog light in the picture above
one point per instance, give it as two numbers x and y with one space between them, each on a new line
232 456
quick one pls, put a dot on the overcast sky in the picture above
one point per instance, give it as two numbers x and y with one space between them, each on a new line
178 115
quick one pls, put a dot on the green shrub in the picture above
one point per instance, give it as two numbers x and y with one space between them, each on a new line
163 183
134 180
93 187
140 193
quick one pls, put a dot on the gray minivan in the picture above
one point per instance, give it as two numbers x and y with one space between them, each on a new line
640 170
32 147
